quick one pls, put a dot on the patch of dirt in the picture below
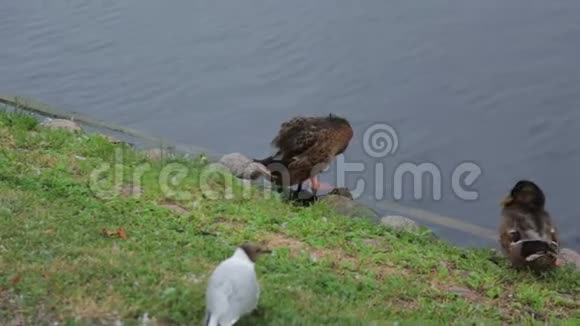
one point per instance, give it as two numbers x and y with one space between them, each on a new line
464 293
276 240
89 309
406 304
336 256
45 160
55 267
172 206
229 224
74 167
383 270
176 208
11 311
7 139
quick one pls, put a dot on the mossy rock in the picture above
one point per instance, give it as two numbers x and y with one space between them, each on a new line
400 223
61 124
347 207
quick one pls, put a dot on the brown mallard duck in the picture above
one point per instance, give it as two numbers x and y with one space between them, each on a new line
305 146
526 234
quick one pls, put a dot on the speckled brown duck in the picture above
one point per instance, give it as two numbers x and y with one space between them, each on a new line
527 234
305 146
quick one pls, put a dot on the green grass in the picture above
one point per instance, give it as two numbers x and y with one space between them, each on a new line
57 265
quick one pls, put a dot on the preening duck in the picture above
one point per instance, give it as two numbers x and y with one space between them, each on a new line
305 146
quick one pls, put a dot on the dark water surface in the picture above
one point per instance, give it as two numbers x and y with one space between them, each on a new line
492 82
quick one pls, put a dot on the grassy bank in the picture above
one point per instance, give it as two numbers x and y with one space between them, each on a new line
75 248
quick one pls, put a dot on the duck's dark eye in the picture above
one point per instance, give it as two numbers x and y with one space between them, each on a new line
515 236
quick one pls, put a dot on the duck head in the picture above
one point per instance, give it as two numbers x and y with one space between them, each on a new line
525 193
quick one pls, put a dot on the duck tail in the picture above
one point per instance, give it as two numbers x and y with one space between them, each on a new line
269 160
265 162
210 320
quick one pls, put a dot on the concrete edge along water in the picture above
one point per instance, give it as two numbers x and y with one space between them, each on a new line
23 103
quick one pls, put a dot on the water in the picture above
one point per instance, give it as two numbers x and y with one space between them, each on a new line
492 82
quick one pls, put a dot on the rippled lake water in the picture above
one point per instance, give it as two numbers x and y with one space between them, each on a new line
496 83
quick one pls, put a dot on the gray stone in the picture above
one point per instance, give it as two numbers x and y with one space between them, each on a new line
157 153
463 292
176 208
61 124
345 192
242 167
350 208
569 256
112 139
262 183
400 223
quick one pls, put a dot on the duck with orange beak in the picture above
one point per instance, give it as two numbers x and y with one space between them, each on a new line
527 234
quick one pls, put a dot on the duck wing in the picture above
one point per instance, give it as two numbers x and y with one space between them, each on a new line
314 159
298 135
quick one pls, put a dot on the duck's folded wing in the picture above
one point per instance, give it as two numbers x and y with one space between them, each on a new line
315 159
299 135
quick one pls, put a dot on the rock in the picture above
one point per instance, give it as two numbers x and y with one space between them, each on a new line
341 192
350 208
400 223
262 183
304 198
463 292
176 208
61 124
243 167
569 256
112 139
157 153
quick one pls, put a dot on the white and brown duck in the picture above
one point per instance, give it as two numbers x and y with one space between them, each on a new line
527 234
